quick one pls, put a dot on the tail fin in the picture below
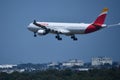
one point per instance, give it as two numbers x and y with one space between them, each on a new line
101 18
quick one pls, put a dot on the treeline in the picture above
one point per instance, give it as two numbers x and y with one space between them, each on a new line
96 74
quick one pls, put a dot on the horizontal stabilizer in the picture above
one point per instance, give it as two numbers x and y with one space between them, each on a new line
118 24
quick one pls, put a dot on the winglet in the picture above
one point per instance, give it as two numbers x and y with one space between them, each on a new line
101 18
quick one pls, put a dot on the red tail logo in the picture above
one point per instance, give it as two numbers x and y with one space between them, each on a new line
101 18
97 24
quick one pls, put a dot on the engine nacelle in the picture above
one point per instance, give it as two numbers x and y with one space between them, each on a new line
41 32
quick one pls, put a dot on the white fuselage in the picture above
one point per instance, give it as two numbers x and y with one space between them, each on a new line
65 28
74 28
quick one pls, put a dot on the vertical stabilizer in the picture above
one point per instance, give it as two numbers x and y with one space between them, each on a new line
101 18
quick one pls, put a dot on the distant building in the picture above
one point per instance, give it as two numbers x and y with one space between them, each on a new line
12 70
83 69
52 64
96 61
7 66
73 62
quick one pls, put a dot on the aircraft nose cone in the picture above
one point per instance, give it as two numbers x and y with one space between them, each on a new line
32 27
29 27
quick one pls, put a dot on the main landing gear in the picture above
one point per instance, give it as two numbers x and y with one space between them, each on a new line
58 37
74 38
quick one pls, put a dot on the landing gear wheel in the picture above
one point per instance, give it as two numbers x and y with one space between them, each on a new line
58 37
35 35
74 38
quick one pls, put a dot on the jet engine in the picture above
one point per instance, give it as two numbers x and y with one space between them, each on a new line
41 32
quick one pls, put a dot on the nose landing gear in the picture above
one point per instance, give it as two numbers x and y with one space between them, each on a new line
35 34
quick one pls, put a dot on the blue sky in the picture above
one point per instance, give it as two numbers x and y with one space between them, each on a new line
17 44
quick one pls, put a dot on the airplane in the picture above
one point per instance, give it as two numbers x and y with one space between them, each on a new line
69 29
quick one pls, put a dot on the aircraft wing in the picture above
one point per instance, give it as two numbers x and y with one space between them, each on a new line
39 25
61 30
